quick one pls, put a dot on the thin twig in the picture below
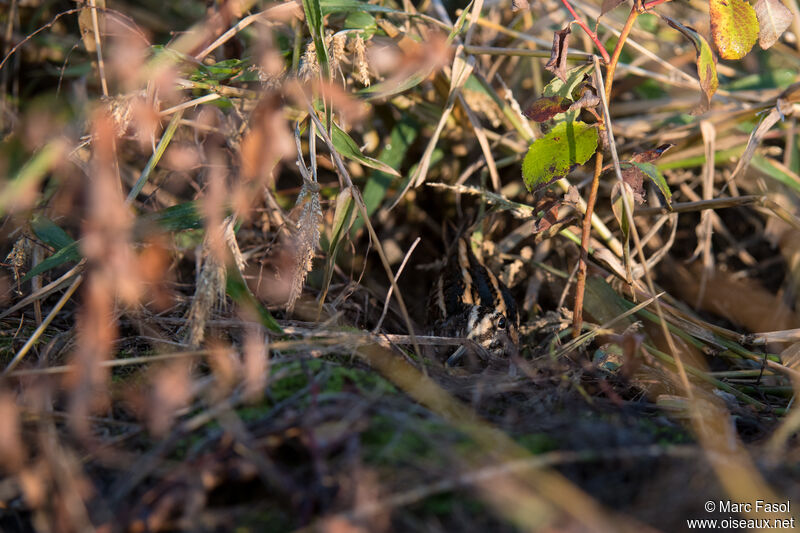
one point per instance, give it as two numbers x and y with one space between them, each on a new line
635 234
46 290
515 467
191 103
46 322
38 30
281 10
391 289
586 227
759 339
623 36
572 53
701 205
592 35
101 66
365 216
498 51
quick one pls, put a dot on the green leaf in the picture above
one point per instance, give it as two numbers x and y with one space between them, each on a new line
575 76
618 206
172 219
64 255
706 68
66 247
219 71
49 232
620 191
341 217
776 171
388 88
346 146
359 20
568 144
313 13
734 27
352 6
459 25
604 304
378 183
557 87
342 221
179 217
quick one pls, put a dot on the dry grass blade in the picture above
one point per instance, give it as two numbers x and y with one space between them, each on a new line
133 397
45 291
460 72
484 143
45 323
101 66
710 420
756 137
541 489
363 211
377 328
704 230
700 205
520 466
587 336
788 335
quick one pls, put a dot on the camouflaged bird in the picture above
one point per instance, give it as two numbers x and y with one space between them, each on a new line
469 301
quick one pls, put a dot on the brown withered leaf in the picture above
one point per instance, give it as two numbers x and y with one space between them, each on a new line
558 54
572 197
633 176
587 98
651 155
550 217
608 5
773 19
519 5
547 107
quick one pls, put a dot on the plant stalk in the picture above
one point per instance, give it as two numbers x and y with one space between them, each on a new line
580 285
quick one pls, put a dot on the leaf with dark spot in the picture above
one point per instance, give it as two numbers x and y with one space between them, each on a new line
547 107
651 155
558 55
734 27
550 157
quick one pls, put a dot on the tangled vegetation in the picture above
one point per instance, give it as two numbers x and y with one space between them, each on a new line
223 222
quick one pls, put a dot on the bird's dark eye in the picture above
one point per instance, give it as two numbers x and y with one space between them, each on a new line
501 322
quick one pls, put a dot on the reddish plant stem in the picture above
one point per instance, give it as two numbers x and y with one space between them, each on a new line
579 21
623 36
654 3
580 285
